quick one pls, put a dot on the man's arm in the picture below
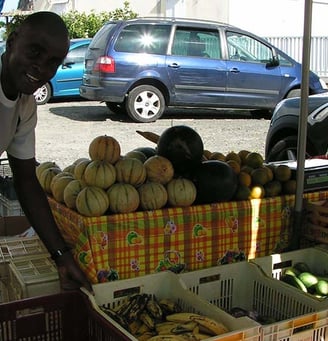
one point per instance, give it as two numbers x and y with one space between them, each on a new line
37 210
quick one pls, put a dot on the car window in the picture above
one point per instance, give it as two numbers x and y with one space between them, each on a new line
196 43
242 47
77 55
100 40
283 61
143 38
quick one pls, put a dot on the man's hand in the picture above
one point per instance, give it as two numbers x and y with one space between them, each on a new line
70 275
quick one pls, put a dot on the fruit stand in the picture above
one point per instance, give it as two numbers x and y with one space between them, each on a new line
195 237
130 218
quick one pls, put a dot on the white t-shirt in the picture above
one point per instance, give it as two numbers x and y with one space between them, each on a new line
17 125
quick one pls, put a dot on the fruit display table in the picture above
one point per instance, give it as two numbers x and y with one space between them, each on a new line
131 245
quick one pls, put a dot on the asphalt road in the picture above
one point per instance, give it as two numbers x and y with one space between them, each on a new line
65 129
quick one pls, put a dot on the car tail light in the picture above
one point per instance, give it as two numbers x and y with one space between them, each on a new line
105 64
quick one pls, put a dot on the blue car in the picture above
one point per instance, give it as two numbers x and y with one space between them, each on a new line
141 66
68 78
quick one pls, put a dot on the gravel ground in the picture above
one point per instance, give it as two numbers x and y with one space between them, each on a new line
65 129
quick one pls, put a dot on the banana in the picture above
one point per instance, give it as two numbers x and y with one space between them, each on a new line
182 317
167 338
210 326
134 326
138 304
154 308
147 320
184 327
169 306
145 336
142 329
165 327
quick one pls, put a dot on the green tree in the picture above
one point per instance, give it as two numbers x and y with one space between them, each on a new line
80 24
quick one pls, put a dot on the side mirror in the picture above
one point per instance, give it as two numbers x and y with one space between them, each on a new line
274 61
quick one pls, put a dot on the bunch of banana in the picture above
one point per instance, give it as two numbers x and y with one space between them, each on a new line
148 319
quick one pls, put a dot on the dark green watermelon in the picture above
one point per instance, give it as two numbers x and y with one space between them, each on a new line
215 182
183 146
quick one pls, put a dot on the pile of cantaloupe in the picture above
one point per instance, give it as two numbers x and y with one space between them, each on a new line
110 183
169 175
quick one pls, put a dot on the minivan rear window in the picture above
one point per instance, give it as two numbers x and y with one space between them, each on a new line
143 38
100 40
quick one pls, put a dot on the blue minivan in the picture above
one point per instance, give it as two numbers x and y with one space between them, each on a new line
142 66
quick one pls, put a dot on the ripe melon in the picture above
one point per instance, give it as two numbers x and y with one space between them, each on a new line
181 192
44 165
159 169
46 177
215 182
58 186
71 191
105 148
92 201
131 171
153 196
80 168
183 146
100 173
123 198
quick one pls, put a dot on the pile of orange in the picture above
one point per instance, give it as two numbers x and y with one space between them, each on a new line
257 179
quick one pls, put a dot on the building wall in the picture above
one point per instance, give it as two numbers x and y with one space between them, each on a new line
263 17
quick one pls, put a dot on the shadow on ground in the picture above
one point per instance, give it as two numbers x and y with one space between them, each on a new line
100 112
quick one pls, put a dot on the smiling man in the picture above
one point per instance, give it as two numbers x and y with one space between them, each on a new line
33 53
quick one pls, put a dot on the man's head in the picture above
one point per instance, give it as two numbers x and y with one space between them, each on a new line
33 53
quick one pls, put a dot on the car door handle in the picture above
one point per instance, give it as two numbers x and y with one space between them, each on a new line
234 70
174 65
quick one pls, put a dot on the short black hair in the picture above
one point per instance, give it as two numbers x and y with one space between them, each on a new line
45 20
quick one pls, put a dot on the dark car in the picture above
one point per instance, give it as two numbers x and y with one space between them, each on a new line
142 66
282 136
68 78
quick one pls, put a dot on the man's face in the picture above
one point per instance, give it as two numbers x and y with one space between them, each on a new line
33 58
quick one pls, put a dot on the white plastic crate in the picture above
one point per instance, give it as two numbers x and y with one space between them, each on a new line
168 285
9 207
11 248
243 285
315 257
275 264
30 276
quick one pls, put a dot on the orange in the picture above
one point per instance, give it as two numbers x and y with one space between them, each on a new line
217 156
244 179
234 165
242 154
254 160
269 172
289 187
257 192
272 188
246 169
259 176
207 154
243 193
233 156
282 173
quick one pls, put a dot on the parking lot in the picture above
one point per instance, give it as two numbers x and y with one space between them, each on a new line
65 129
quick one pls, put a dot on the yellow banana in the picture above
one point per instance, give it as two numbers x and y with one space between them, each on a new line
210 326
182 317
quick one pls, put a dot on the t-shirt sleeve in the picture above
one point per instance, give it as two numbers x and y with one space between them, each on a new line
23 143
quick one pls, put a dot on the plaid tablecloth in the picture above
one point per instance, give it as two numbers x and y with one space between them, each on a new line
130 245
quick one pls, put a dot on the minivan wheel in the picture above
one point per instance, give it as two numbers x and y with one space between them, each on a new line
43 94
145 103
116 108
286 149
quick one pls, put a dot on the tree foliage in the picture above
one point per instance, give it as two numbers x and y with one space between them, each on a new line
80 24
